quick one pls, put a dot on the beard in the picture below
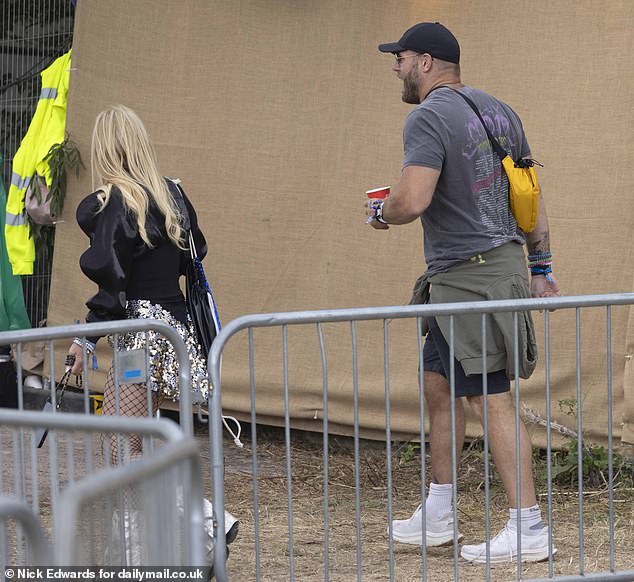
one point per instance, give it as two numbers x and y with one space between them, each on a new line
410 88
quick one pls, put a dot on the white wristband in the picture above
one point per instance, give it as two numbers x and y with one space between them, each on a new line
378 212
90 347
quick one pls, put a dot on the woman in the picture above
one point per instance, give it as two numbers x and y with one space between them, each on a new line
137 222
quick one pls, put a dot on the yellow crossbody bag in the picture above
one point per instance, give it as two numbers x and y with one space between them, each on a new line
523 186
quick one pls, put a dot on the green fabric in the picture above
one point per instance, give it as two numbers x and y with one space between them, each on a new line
12 310
497 274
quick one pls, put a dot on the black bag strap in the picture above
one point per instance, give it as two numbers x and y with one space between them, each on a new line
499 150
61 387
192 245
180 201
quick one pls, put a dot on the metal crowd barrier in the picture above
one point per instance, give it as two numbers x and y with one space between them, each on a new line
418 313
123 365
152 507
148 512
19 511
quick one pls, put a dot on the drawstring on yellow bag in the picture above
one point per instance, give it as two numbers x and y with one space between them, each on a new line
523 186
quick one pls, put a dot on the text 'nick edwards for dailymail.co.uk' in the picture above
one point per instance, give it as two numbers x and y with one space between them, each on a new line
114 573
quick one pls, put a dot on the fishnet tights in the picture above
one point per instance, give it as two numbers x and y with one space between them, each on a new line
133 401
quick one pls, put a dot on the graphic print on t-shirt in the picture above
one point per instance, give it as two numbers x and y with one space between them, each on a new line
490 185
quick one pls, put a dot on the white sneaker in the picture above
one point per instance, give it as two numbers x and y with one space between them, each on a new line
439 532
503 548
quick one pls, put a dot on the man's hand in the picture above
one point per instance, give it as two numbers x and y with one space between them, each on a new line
369 211
544 286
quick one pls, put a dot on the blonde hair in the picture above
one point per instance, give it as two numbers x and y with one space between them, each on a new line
123 156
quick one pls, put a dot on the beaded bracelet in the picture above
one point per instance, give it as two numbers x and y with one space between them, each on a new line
540 259
544 255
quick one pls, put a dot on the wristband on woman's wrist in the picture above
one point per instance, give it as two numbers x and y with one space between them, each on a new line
90 347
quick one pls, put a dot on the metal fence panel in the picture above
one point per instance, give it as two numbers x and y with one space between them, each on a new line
152 510
144 513
311 561
72 452
120 366
24 518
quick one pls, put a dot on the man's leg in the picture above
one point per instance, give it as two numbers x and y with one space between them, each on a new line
501 421
525 515
438 505
438 401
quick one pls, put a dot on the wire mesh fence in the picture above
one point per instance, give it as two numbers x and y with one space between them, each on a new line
33 33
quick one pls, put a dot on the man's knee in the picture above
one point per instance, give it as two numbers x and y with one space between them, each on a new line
501 403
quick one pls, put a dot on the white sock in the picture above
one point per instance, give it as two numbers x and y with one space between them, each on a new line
438 502
530 519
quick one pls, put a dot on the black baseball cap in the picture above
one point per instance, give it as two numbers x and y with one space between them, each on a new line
427 37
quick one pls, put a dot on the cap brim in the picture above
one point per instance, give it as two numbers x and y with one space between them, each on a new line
391 47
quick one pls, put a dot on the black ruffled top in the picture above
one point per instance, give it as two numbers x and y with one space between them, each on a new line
124 267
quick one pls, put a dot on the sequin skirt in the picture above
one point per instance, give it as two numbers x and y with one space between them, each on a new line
163 372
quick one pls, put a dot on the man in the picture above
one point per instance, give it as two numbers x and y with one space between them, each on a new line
454 181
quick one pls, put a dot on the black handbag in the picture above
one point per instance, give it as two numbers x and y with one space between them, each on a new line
200 301
41 433
201 304
198 296
8 383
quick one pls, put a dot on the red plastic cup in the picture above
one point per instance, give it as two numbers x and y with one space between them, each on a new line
378 193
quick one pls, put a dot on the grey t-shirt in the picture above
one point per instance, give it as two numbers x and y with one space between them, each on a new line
469 212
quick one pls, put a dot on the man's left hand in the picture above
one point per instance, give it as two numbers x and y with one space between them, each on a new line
545 286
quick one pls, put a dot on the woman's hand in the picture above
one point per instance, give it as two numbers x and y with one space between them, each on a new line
76 354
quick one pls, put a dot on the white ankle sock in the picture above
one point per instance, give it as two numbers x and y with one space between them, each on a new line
530 519
438 502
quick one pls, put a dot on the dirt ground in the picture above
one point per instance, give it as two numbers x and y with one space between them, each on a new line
307 487
308 516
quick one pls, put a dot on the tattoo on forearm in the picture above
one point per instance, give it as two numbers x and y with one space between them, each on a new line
540 244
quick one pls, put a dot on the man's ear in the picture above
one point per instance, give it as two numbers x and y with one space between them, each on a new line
425 62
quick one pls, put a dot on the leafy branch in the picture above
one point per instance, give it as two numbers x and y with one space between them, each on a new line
62 158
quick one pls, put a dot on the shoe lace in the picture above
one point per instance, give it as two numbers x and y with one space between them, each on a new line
506 533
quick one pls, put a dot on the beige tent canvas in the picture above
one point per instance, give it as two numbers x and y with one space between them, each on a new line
277 117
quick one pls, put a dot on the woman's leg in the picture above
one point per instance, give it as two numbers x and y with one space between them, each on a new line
133 401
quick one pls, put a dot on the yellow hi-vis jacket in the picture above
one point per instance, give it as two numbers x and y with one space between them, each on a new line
46 129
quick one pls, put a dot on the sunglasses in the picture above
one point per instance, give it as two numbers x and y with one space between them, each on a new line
400 58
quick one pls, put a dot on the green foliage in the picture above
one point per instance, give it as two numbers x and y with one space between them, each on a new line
409 454
593 459
569 406
594 463
62 158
